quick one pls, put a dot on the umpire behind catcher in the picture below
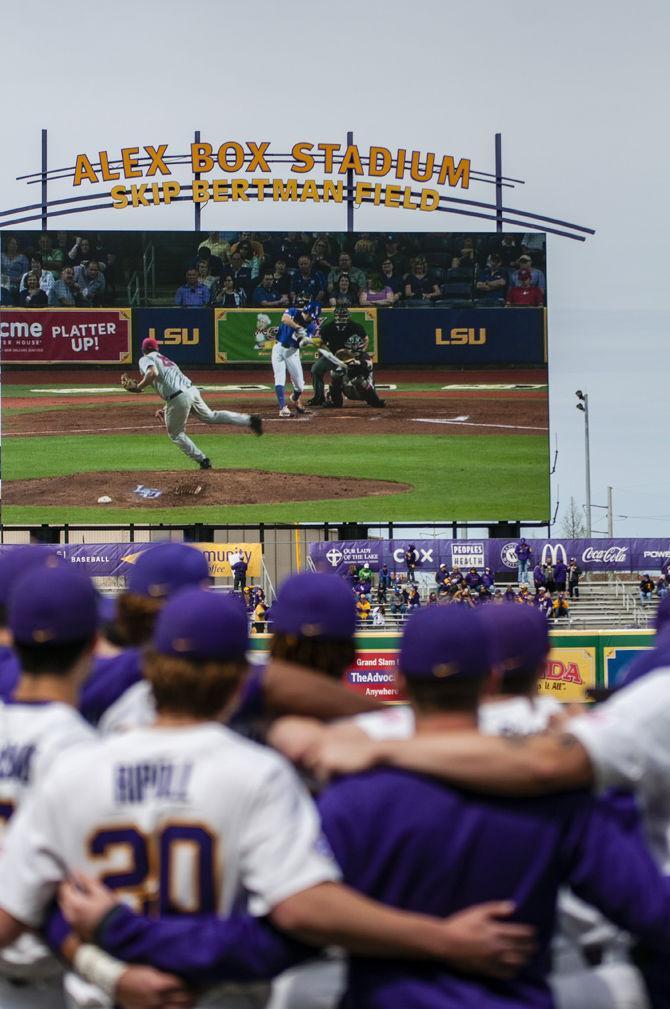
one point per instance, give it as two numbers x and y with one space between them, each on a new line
340 333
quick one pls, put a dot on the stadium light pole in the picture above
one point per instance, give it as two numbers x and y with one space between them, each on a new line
583 405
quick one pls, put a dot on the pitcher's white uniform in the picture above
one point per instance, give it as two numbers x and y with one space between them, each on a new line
181 396
31 737
181 820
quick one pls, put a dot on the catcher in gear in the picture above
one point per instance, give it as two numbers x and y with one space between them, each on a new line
351 376
340 333
181 396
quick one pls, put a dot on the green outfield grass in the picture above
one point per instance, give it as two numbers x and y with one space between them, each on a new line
453 477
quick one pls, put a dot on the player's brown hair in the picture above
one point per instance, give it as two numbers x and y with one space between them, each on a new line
189 686
459 695
51 660
332 657
135 618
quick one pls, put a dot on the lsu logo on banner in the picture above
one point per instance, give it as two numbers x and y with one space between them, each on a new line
461 337
570 672
176 336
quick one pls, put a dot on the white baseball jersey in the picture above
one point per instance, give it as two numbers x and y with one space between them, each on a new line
31 737
170 378
175 820
134 708
628 741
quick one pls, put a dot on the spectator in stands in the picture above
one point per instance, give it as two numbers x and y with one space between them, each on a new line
539 579
510 595
52 258
491 283
205 276
525 294
249 258
240 273
308 282
356 275
414 598
65 293
560 575
192 294
32 295
509 250
215 266
646 589
499 597
365 578
6 294
45 277
411 561
384 583
398 603
282 279
473 579
487 579
377 293
363 607
81 251
442 576
523 556
290 247
544 602
230 295
432 599
259 617
394 255
365 249
549 578
345 293
467 252
91 283
379 616
420 286
574 574
13 264
662 587
267 294
390 278
321 256
239 568
561 606
216 246
255 247
352 575
483 594
536 276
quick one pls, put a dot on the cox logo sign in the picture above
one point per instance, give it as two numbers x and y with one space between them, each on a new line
508 555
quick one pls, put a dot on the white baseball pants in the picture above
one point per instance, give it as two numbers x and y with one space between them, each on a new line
287 359
176 415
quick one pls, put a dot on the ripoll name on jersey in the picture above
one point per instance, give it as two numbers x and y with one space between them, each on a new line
277 191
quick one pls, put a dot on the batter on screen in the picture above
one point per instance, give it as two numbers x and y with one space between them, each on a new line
181 396
299 326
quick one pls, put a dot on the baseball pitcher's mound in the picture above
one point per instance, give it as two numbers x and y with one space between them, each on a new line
203 487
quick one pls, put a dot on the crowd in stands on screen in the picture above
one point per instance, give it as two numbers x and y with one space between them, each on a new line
229 294
268 294
31 294
66 292
420 285
308 282
378 294
524 292
46 278
213 245
13 264
345 292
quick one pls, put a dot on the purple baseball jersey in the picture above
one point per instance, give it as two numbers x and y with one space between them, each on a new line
10 672
413 843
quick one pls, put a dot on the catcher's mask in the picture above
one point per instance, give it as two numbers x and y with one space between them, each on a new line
149 345
342 315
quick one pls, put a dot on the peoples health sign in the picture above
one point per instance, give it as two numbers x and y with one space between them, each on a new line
497 554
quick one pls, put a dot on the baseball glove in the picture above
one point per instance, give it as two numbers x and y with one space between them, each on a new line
129 384
346 356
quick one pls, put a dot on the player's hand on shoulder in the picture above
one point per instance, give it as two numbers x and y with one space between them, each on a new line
333 757
84 902
481 940
294 737
146 988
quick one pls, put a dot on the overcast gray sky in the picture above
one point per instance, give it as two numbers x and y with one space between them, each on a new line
577 89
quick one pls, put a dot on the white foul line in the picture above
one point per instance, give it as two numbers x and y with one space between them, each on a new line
462 423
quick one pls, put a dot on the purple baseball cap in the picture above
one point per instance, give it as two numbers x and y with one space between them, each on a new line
18 560
662 613
200 624
52 606
518 637
163 569
443 642
315 606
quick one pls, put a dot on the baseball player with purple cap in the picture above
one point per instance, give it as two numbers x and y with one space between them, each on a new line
200 817
444 848
14 562
52 614
108 700
180 397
